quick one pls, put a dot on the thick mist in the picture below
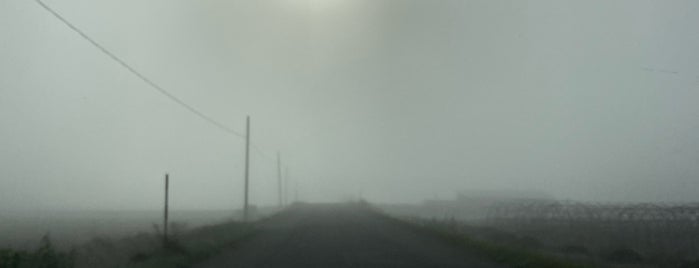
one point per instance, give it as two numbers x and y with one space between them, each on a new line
393 101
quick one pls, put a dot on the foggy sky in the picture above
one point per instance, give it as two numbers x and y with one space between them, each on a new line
395 100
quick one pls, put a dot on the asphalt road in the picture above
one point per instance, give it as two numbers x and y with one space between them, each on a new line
341 236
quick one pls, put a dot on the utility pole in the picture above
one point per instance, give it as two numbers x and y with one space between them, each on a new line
286 185
165 210
296 191
279 179
247 168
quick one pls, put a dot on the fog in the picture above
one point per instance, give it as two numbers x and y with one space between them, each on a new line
391 101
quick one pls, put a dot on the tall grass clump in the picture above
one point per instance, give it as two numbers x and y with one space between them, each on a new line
45 256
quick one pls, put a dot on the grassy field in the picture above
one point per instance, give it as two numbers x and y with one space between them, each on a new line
616 235
142 250
116 238
510 255
70 228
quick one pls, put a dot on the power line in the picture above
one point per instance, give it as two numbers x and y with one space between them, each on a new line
262 153
150 82
164 92
138 74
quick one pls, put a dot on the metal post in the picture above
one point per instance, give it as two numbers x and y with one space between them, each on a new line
165 212
286 186
247 169
279 179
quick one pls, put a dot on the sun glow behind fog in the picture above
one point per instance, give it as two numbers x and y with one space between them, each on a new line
320 7
337 29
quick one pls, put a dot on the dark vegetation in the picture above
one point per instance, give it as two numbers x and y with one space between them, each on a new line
519 252
183 249
508 248
45 256
22 230
633 234
192 247
617 235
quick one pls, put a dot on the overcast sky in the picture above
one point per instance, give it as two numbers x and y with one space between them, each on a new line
398 101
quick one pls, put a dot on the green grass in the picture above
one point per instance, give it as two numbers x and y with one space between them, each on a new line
142 250
196 246
507 255
513 257
45 256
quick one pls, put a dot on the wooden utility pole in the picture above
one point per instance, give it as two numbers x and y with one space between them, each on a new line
165 212
296 191
247 169
279 179
286 186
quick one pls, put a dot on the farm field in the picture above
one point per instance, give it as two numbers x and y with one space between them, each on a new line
24 229
640 234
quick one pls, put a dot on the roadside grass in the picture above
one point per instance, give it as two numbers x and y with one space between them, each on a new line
200 244
511 256
45 256
196 245
141 250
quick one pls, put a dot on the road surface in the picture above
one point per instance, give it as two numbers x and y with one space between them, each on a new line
341 236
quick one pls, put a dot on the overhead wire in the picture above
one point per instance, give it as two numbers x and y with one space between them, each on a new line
149 81
140 75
